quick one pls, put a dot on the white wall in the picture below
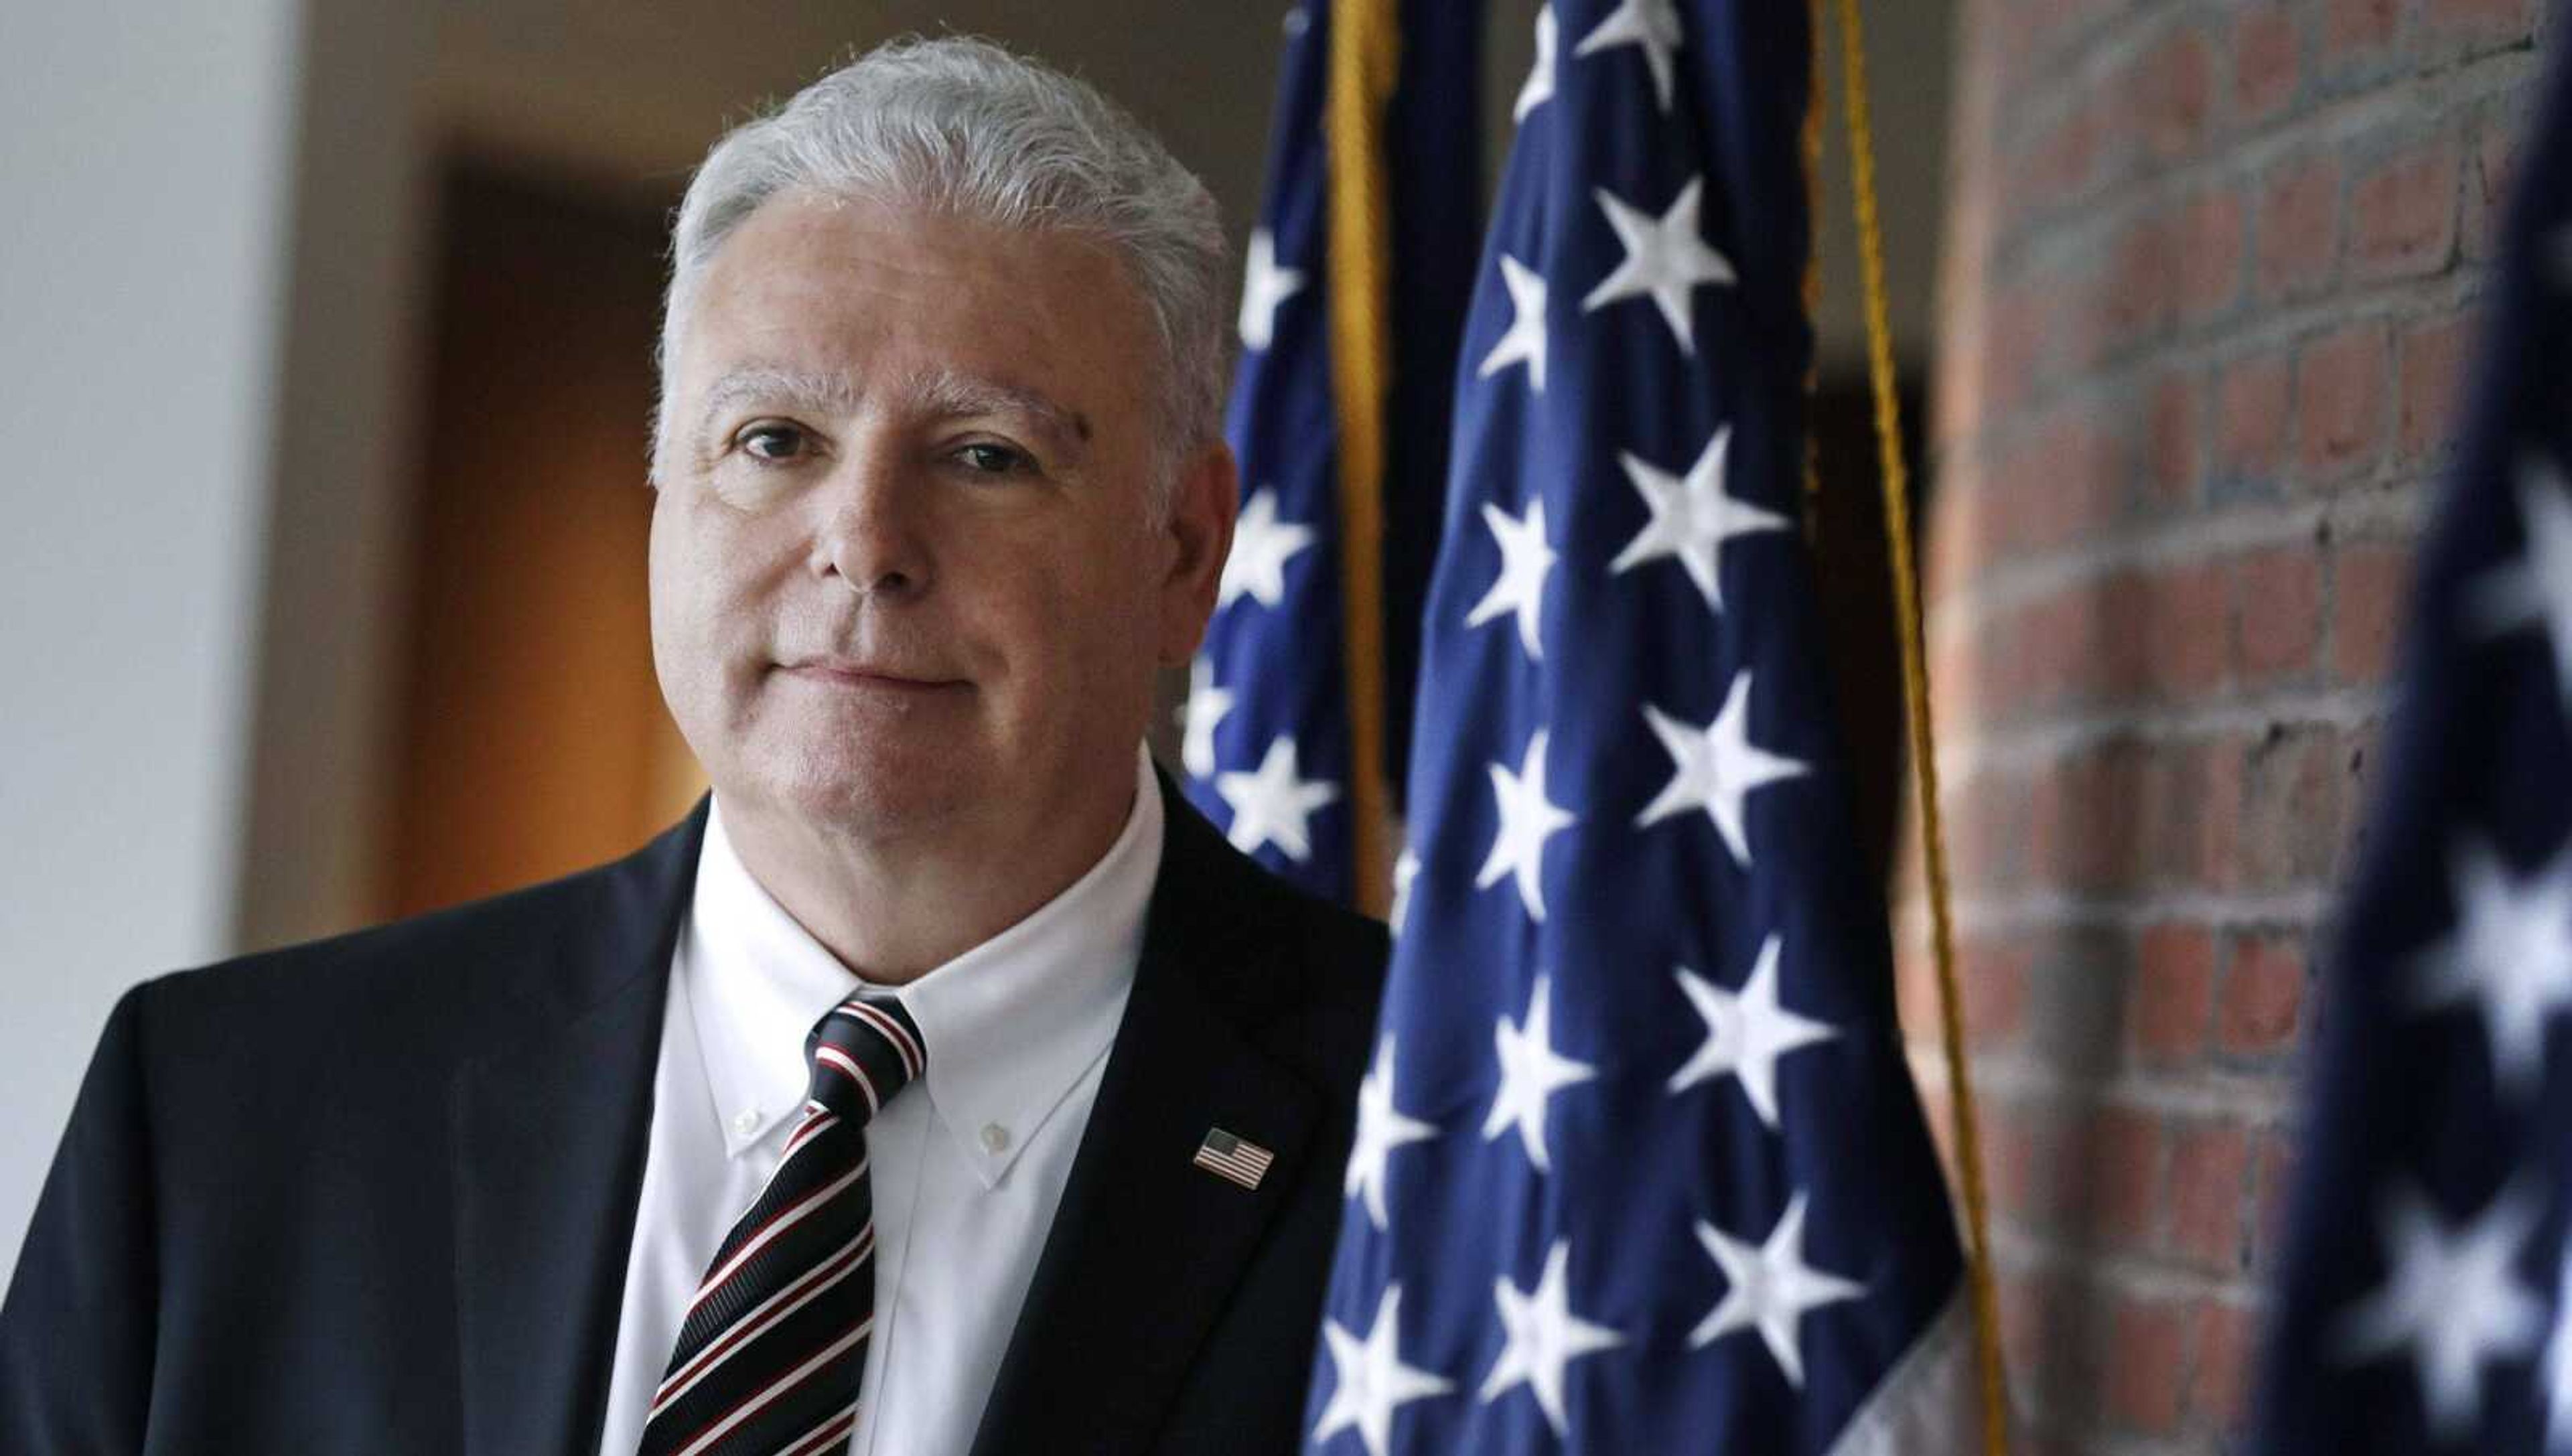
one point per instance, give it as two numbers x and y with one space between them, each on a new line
145 167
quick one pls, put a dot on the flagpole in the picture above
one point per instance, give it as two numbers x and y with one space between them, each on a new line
1365 55
1924 758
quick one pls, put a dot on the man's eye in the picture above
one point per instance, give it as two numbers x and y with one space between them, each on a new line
993 459
773 442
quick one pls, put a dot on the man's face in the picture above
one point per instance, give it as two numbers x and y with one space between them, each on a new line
905 577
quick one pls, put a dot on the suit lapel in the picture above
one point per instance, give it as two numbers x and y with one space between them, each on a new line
1146 1247
550 1137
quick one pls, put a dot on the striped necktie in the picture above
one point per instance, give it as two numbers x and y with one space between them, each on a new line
772 1348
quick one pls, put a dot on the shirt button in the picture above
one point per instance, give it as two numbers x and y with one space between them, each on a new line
746 1123
995 1139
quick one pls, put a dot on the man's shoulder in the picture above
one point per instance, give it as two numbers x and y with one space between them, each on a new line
1302 974
448 969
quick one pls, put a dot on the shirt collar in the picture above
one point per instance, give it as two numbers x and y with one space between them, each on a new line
1011 1025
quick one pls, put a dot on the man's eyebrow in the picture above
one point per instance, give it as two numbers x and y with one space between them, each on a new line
827 393
942 392
952 392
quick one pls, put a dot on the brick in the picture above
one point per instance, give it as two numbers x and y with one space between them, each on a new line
2218 806
2056 486
2340 401
2463 27
2131 297
2019 1144
2356 34
1993 975
2077 998
2210 234
2180 631
2123 1151
2210 1198
2431 365
2264 64
2145 1378
2403 211
2228 1350
2276 614
2173 460
2058 165
2055 650
2261 1001
2370 594
1987 832
2190 813
2083 835
2293 776
2173 85
2172 994
2254 404
2298 224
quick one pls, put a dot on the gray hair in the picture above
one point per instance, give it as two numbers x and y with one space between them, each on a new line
966 128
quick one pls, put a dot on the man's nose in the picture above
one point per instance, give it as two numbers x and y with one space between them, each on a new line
872 533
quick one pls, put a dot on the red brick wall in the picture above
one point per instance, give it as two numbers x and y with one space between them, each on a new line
2211 267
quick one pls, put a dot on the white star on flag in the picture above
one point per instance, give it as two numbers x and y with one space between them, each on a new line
1527 820
1771 1290
1371 1380
1273 805
1526 559
1539 79
1531 1074
1745 1032
1263 287
1693 519
2511 957
1205 707
1664 258
1541 1336
1406 870
1261 546
2451 1299
1380 1130
2557 1374
1715 768
1525 341
1652 24
2537 588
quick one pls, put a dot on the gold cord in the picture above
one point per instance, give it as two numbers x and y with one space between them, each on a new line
1924 759
1365 55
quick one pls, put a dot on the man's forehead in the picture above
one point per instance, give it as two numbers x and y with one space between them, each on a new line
943 391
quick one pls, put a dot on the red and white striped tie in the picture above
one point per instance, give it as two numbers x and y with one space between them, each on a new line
769 1354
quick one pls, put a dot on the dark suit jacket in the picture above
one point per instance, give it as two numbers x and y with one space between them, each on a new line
376 1194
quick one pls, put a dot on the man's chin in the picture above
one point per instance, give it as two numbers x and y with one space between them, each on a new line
880 798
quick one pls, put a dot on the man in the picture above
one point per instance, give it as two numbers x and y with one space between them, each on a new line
945 1083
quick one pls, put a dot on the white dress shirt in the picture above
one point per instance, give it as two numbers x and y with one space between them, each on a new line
967 1170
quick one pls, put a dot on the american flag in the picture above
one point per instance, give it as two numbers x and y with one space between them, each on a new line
1266 746
2425 1297
1234 1158
1638 1165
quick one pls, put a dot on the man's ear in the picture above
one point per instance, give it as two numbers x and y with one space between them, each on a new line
1204 499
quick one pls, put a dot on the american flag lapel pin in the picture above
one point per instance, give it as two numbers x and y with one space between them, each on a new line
1234 1158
